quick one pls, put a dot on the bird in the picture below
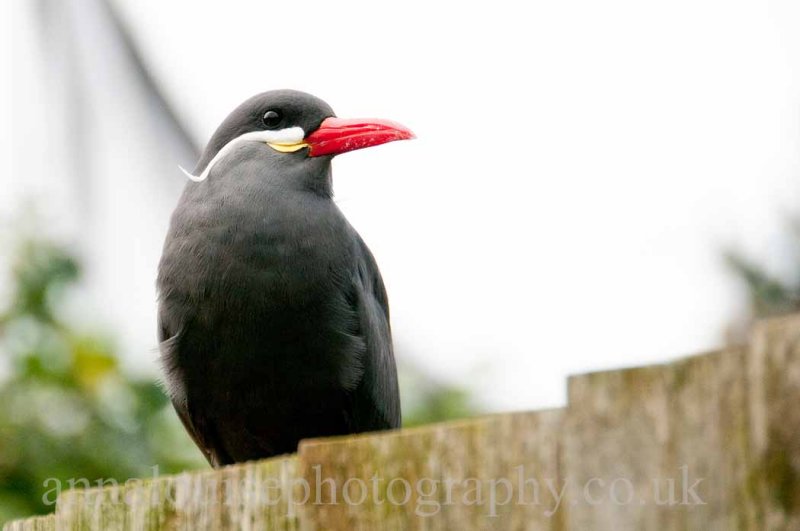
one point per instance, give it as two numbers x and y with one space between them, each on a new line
273 318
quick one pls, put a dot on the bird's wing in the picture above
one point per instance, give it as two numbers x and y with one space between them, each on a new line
203 435
376 398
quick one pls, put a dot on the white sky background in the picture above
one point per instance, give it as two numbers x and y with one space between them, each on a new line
579 167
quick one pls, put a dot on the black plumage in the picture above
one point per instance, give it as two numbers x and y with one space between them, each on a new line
273 317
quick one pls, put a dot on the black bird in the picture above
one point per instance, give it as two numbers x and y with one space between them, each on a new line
273 317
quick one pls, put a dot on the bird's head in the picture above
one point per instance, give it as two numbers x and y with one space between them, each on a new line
296 125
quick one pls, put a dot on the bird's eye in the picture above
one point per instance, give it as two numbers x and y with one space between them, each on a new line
272 118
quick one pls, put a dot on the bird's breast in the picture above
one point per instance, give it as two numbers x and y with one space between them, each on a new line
278 265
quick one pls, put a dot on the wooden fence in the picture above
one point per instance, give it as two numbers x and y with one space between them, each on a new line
707 442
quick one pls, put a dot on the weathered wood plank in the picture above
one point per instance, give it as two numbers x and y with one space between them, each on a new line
251 496
461 475
709 423
615 427
730 419
665 446
774 406
36 523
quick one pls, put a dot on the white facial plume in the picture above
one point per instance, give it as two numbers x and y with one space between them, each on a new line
289 139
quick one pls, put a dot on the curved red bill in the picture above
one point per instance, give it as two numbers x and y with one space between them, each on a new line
338 135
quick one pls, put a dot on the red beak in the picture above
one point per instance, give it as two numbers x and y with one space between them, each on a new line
337 135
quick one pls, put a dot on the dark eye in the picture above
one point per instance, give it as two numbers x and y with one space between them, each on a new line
272 118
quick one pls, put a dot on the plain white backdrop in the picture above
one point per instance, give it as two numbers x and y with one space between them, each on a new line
579 168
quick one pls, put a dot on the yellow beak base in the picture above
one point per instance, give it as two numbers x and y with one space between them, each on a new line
287 148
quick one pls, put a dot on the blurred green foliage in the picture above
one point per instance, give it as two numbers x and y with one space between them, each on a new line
426 400
69 410
769 295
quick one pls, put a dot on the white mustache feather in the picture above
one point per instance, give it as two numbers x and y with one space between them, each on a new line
290 135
